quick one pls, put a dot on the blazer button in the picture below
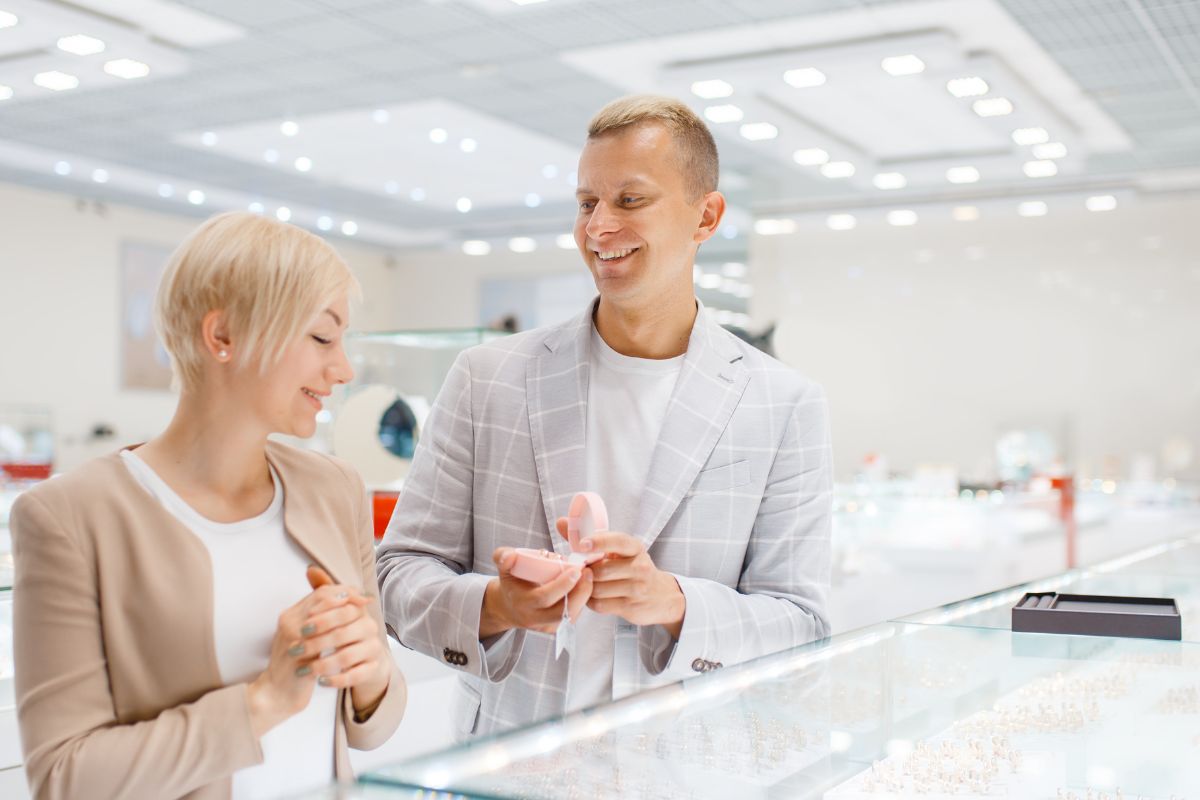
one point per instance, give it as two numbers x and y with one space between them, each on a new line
717 665
698 665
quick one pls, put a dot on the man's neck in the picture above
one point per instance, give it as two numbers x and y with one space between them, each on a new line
658 332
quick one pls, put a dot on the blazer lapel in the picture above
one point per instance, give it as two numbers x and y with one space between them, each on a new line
556 389
711 382
310 525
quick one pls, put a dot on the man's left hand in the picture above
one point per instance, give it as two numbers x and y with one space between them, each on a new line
626 582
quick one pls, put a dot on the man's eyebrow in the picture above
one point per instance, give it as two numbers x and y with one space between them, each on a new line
582 190
336 318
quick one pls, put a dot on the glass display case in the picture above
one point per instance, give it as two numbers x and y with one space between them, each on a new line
895 710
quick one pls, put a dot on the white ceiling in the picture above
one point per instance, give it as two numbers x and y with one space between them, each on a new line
1114 80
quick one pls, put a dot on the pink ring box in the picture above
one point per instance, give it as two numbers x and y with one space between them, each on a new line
585 516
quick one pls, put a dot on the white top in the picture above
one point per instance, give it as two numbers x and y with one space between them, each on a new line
627 402
258 572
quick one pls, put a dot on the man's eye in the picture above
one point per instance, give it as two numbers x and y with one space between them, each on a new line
321 340
585 205
629 200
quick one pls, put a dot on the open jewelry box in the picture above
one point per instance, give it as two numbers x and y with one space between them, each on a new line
1097 615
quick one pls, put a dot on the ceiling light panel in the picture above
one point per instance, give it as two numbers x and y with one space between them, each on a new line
505 167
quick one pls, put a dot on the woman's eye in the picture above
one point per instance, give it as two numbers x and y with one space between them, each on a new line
321 340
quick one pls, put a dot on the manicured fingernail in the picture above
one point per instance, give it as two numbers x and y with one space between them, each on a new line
302 671
586 544
296 650
308 630
323 680
341 595
575 574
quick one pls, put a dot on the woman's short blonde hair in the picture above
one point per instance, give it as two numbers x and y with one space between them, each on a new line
271 280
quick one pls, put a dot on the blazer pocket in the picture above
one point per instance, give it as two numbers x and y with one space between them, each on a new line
723 479
466 710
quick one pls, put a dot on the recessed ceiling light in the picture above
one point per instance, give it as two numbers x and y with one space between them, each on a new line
81 45
438 135
349 228
468 145
1028 136
566 241
810 157
902 218
380 116
166 190
1101 202
283 213
256 207
533 200
992 107
303 164
725 113
890 180
838 169
733 269
1049 150
711 90
6 92
527 2
729 231
962 175
208 139
758 131
1032 208
417 195
56 81
325 223
463 204
8 19
271 155
549 171
709 280
100 175
62 168
476 247
973 86
126 68
965 213
899 66
289 128
522 244
573 178
391 187
841 222
196 197
1040 169
774 227
804 78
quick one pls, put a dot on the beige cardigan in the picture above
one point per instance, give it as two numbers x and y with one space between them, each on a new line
118 689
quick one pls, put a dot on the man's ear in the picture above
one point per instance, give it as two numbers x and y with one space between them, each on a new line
710 219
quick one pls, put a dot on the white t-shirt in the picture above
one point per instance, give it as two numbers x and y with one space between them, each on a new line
258 572
627 402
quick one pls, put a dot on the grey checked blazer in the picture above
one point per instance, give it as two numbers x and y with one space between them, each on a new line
736 506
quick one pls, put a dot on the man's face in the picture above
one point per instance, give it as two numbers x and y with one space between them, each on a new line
638 226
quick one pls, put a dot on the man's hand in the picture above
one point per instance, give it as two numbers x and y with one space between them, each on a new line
509 602
627 583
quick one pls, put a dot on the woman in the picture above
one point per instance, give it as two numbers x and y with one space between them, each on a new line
191 615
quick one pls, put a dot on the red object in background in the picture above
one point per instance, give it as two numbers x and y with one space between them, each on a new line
383 504
1066 512
26 472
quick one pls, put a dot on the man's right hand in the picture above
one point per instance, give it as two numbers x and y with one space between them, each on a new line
510 602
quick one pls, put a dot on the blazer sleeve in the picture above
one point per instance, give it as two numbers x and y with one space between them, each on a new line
371 731
431 598
782 594
73 744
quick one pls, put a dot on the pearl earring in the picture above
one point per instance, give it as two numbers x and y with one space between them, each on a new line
221 354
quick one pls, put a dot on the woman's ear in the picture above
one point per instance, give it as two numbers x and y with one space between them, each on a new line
214 332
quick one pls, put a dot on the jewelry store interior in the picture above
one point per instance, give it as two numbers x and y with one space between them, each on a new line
972 222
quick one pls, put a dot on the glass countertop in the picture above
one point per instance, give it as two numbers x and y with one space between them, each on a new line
896 710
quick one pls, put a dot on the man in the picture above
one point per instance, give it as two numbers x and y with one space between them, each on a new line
713 460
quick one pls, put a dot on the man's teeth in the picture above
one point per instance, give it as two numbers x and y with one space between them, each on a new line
609 255
311 394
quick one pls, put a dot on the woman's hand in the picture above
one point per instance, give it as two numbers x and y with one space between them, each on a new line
285 687
345 647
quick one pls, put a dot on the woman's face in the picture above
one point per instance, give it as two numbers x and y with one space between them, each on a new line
292 392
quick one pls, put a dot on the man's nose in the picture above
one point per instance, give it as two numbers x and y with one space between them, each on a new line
602 221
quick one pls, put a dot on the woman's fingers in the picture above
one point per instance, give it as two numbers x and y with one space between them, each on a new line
359 630
328 620
345 660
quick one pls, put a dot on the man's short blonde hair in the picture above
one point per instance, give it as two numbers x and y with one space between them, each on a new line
271 280
693 141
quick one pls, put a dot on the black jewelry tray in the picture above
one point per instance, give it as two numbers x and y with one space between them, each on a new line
1097 615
